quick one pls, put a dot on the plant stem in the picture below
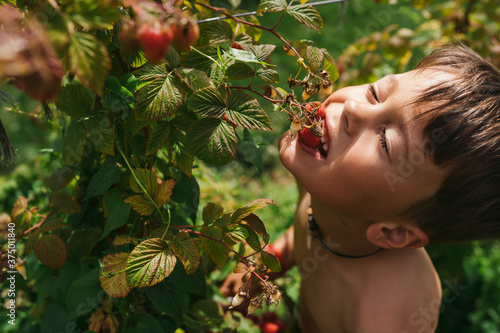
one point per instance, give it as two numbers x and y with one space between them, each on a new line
271 30
143 189
275 101
242 258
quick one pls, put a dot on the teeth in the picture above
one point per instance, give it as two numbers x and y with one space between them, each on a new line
323 140
325 147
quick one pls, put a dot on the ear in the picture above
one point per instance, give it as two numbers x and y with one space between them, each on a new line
389 235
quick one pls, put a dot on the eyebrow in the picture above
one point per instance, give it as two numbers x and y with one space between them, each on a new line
393 81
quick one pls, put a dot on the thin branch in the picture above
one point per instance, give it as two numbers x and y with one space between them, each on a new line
257 26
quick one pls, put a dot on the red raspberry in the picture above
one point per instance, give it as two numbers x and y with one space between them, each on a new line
236 46
321 112
308 138
155 41
269 327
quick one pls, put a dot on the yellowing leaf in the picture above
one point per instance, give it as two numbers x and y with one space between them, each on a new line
140 205
96 320
115 286
184 248
164 192
20 206
149 263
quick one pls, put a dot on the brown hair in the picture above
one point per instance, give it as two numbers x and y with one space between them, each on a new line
466 113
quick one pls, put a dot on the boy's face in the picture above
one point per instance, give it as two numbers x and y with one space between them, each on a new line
375 166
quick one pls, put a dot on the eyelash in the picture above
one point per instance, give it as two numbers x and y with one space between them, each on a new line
371 87
383 140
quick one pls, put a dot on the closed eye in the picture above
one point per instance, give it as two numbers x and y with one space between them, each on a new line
383 140
371 87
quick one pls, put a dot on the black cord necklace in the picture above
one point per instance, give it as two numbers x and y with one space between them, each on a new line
316 233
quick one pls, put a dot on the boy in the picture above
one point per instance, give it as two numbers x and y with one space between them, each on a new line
410 159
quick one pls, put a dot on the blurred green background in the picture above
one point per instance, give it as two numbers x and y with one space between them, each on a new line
369 39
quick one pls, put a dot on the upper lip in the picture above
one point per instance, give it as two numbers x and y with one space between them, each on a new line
326 134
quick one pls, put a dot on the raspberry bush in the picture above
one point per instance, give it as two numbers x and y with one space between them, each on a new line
139 92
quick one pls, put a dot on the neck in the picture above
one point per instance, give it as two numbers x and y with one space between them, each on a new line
343 235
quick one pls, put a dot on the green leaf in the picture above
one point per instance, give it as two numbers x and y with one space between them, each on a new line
74 100
115 286
172 58
158 137
249 208
129 81
50 249
159 99
193 78
149 263
210 311
254 223
73 143
250 150
51 224
331 68
239 71
134 59
89 59
199 61
252 239
242 55
215 33
272 6
101 134
116 97
307 15
245 111
217 251
271 262
92 14
213 141
64 203
178 152
60 178
235 234
108 174
314 57
211 212
207 102
166 299
262 52
268 75
184 249
118 212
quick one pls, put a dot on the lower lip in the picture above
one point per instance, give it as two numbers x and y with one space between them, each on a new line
309 150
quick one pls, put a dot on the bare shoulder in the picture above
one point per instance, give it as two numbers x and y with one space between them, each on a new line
404 295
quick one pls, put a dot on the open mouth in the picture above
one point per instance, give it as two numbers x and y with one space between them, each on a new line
322 149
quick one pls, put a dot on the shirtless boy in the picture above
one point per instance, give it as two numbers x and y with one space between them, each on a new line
410 160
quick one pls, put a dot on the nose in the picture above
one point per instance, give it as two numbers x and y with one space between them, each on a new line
357 115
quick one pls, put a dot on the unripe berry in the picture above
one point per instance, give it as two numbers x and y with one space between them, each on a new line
186 32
